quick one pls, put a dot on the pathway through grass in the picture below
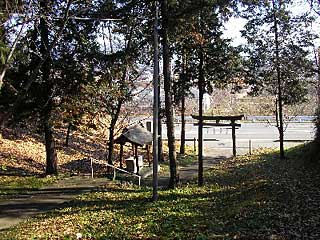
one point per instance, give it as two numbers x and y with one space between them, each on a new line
250 197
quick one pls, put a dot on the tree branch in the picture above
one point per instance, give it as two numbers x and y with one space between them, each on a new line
13 48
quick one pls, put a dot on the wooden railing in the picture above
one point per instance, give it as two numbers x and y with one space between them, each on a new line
115 171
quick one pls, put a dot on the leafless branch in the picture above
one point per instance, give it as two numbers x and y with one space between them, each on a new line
13 48
90 19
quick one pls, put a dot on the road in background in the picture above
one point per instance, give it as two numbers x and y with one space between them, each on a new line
261 134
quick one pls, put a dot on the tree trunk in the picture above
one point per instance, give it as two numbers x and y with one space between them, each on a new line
156 105
111 132
317 121
200 126
68 134
318 82
121 156
183 108
168 96
51 155
111 143
183 127
279 82
160 145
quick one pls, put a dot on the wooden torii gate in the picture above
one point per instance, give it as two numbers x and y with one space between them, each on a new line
215 122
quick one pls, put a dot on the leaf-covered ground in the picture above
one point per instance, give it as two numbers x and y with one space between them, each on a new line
250 197
23 157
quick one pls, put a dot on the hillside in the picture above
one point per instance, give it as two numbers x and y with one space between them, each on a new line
22 152
249 197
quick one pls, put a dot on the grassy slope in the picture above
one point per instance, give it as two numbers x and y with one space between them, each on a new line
251 197
22 157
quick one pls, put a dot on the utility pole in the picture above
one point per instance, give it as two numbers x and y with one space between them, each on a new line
318 84
201 82
200 126
155 103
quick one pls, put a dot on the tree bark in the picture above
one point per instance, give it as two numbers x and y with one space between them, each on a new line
68 134
111 132
51 155
168 96
111 143
121 156
156 104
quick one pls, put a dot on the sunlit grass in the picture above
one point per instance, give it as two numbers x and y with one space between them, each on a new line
19 184
249 197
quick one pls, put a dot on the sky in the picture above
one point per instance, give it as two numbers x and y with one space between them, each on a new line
233 28
235 25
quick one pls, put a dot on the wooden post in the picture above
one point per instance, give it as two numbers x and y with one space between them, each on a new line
250 146
114 174
148 155
194 145
91 167
234 139
121 155
136 157
68 135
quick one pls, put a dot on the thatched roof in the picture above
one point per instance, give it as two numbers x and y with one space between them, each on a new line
136 135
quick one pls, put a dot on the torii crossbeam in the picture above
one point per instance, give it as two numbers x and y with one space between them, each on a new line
217 123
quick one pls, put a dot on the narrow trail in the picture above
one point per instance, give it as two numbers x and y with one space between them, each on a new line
16 208
189 173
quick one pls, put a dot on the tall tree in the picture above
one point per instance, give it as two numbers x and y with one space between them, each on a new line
128 50
315 7
215 59
180 95
277 53
38 75
183 81
51 155
168 93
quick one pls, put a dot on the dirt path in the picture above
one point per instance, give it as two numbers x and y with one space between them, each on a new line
17 208
188 174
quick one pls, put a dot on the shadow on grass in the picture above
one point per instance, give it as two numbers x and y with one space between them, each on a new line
257 197
250 197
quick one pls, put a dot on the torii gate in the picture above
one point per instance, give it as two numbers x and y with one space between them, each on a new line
217 123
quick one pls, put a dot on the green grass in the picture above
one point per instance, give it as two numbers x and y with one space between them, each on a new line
249 197
17 185
188 158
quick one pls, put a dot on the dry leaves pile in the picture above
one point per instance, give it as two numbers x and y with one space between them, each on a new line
23 153
25 156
